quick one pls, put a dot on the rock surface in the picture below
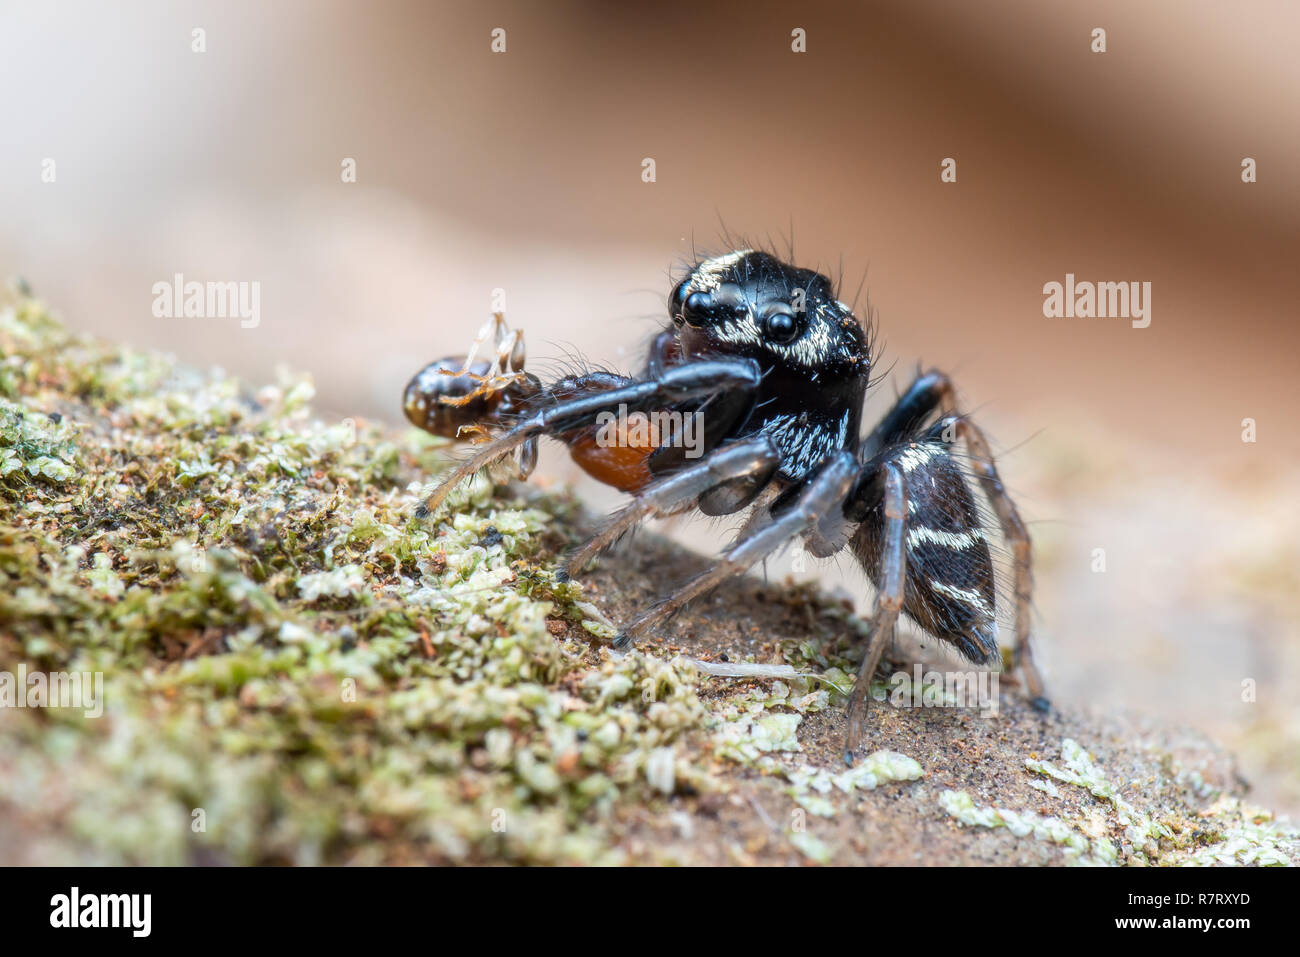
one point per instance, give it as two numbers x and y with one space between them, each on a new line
296 672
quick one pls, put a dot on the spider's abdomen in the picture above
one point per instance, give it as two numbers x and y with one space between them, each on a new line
950 590
618 456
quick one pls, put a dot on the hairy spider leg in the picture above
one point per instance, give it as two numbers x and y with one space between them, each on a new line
1013 530
889 600
752 462
826 489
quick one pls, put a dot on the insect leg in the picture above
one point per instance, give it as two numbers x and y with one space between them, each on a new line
504 342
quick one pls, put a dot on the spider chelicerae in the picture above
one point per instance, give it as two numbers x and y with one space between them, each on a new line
774 370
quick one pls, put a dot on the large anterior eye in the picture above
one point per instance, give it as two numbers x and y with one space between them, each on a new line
695 310
781 327
675 300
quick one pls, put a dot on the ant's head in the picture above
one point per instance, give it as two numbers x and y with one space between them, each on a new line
750 303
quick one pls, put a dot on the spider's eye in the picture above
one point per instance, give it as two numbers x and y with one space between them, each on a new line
781 328
695 309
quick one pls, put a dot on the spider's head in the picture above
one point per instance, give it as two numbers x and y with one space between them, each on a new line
750 303
815 355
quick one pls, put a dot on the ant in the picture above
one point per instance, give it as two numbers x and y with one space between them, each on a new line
776 369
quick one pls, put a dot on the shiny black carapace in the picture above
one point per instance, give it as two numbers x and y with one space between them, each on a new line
774 370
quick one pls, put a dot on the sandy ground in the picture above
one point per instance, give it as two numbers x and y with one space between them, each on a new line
960 749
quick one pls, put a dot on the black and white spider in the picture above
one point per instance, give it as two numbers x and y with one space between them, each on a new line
776 369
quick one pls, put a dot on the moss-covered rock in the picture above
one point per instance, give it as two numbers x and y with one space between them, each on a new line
295 671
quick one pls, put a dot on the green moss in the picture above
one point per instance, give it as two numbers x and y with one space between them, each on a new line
294 671
34 447
811 785
1224 833
1141 835
1237 833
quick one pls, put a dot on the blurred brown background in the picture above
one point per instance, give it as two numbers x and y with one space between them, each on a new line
522 171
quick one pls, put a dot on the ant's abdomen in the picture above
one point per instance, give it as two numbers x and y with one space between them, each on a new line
444 397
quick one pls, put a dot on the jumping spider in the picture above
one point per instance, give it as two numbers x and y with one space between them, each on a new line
777 369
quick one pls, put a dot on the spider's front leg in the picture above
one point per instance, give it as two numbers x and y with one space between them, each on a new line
821 495
725 480
570 413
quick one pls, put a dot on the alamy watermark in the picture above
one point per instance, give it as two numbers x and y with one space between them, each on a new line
649 430
55 689
208 300
1098 300
134 912
944 689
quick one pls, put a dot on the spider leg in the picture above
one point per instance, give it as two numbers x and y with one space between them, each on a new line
1013 530
823 492
889 600
678 384
745 466
910 412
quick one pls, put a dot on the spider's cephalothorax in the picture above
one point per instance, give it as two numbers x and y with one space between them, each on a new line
774 369
813 352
